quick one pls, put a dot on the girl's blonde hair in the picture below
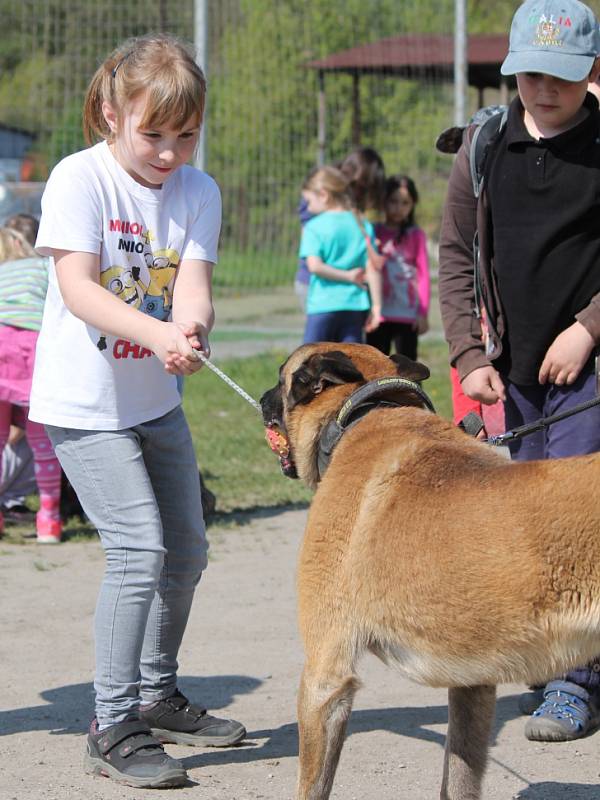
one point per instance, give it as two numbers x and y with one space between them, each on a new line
160 65
25 224
13 245
331 180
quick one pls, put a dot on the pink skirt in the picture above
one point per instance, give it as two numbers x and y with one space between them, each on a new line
17 354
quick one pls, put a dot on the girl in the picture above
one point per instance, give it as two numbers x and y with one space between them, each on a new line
23 285
333 244
132 233
364 169
405 272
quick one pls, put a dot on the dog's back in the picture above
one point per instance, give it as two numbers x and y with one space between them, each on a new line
463 567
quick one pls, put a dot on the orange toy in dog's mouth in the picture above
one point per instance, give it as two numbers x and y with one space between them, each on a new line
279 444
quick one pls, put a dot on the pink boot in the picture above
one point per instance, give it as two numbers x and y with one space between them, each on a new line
49 529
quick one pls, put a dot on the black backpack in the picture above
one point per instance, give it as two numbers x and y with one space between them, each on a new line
490 122
486 135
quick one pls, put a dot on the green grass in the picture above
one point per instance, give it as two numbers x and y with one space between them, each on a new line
237 464
240 271
434 353
234 335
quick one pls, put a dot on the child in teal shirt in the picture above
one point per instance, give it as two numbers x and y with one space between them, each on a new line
334 244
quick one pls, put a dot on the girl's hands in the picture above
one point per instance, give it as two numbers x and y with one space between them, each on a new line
566 356
356 275
374 319
421 325
178 346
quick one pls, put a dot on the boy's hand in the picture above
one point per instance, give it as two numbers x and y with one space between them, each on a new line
485 385
566 356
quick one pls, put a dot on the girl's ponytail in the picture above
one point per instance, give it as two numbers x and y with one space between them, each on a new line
95 126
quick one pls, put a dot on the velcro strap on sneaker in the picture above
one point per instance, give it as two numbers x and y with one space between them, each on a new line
138 742
177 701
116 734
566 688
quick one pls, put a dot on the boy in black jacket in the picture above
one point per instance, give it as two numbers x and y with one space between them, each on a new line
539 271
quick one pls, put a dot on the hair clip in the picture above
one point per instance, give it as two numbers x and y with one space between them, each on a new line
115 68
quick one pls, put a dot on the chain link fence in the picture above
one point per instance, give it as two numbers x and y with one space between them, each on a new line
263 132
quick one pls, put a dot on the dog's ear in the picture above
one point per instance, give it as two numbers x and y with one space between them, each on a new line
320 371
409 369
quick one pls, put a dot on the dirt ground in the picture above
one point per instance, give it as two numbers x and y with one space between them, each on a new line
241 656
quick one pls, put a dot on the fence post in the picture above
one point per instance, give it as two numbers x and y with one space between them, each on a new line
322 121
460 62
201 45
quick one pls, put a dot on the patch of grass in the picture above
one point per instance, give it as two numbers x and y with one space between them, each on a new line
248 334
434 353
237 464
239 271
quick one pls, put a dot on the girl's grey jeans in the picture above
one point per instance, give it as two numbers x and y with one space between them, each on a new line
140 487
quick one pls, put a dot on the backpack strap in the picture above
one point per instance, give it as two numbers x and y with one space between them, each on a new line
485 134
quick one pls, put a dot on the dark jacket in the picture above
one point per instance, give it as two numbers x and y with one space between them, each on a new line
464 216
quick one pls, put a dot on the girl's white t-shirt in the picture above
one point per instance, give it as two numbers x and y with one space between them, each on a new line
82 378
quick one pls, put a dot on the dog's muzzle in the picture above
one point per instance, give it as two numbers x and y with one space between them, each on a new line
279 444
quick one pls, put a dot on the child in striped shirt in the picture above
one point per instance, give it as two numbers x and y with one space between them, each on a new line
23 285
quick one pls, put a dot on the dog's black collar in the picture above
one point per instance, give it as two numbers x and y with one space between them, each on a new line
375 394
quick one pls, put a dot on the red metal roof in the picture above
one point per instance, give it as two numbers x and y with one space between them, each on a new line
416 53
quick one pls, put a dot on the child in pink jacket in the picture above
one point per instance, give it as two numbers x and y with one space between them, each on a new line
406 282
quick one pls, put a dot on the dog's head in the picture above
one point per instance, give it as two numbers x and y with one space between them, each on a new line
313 384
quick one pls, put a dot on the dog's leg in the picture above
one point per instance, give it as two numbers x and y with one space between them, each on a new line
470 718
324 705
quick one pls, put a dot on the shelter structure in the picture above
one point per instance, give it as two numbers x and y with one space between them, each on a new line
413 56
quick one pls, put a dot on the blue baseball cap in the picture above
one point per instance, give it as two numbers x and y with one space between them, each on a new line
555 37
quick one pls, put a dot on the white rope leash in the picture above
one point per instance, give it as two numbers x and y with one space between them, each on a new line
230 382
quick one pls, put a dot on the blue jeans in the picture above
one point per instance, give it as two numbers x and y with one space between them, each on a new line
140 488
335 326
576 435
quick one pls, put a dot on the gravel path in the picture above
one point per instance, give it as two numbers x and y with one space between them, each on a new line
242 657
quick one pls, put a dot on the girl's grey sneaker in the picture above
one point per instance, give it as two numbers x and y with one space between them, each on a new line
129 754
568 712
176 721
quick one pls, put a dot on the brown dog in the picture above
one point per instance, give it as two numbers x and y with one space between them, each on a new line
430 550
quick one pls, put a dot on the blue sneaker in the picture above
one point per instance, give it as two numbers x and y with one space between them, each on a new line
568 712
